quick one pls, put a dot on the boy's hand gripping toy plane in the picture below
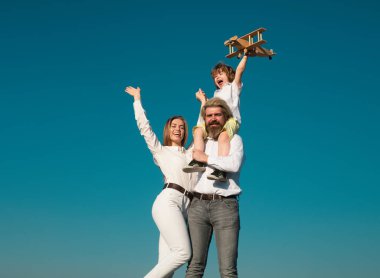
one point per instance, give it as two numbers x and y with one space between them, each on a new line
249 45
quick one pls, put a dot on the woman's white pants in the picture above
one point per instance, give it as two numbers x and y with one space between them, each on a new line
170 215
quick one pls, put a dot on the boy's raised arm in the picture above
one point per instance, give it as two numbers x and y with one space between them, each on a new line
240 70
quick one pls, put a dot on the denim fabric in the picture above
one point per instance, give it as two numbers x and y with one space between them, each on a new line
220 217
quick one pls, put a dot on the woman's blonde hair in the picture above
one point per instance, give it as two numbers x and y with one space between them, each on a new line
167 140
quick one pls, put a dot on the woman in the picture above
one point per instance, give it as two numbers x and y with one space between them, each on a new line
170 207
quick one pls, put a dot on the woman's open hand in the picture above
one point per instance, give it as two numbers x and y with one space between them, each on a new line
135 92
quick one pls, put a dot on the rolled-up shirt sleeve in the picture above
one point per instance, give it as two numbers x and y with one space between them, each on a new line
232 162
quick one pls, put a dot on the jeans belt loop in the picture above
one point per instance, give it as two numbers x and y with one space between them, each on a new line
213 196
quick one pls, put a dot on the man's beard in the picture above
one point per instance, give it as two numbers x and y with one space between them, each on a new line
214 131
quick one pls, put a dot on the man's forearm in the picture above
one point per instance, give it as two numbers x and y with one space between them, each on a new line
231 163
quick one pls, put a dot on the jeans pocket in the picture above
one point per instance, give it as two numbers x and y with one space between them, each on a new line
231 203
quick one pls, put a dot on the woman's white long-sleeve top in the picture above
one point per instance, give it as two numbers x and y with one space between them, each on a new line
169 159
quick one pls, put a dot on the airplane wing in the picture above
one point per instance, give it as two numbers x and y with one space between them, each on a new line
251 41
253 33
240 49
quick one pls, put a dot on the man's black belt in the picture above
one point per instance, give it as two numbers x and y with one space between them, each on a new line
201 196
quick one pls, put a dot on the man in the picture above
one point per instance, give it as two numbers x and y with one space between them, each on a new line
215 206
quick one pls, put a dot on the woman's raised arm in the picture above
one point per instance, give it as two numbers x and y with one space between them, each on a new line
143 124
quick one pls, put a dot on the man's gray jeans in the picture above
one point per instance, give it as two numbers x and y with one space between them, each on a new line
222 218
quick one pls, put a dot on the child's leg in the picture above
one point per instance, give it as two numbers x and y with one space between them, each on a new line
223 144
223 150
199 143
229 129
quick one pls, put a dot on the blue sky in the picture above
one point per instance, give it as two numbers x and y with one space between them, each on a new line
77 181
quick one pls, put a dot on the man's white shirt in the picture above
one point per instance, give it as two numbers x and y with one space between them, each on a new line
230 164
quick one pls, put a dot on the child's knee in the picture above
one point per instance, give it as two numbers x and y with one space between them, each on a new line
198 131
224 137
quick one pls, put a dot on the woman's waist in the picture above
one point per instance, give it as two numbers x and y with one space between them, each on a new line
185 183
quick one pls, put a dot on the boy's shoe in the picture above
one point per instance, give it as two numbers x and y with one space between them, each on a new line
194 166
217 175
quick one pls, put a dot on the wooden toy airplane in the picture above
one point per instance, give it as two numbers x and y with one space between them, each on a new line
248 44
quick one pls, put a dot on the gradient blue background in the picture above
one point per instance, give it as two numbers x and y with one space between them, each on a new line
77 181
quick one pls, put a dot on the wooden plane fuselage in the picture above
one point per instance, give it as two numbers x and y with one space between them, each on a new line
251 43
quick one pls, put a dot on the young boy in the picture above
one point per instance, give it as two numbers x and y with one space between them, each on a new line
228 87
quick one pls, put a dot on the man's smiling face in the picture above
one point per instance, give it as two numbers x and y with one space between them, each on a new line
215 120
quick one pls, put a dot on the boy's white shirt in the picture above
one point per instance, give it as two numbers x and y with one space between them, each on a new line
230 93
169 159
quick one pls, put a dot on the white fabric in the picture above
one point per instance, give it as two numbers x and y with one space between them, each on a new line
230 93
170 159
170 213
169 210
230 164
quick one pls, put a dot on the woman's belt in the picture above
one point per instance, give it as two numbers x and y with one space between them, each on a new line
179 188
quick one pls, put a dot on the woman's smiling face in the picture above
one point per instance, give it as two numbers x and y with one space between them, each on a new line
177 132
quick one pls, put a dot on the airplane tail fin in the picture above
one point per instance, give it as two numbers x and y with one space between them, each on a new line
231 40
